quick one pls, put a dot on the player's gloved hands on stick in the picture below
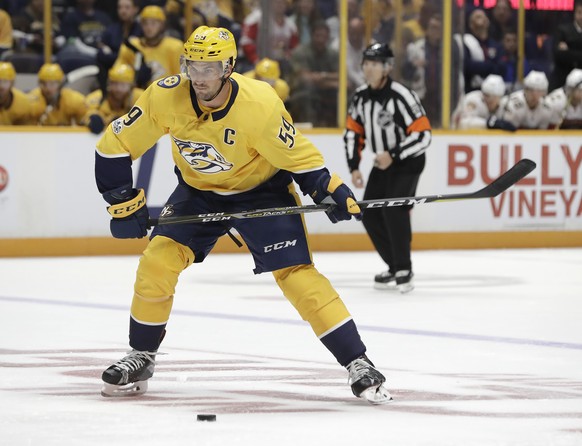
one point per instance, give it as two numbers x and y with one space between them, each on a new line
129 211
331 189
501 124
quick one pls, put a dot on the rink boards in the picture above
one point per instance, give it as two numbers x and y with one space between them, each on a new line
49 204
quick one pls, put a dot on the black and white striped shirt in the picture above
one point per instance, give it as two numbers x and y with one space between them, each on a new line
390 119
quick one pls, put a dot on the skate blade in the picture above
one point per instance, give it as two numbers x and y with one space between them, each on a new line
377 395
131 389
385 286
405 287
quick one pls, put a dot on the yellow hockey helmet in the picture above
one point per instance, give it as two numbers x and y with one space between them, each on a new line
208 44
268 69
121 73
51 72
153 12
7 71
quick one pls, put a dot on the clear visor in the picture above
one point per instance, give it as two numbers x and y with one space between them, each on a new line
202 71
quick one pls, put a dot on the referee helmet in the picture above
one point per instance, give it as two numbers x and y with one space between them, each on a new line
380 52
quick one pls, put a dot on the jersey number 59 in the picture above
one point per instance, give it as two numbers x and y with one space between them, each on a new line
286 133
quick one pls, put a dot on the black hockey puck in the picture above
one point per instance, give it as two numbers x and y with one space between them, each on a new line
205 417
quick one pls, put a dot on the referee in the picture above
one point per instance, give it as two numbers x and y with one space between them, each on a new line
387 117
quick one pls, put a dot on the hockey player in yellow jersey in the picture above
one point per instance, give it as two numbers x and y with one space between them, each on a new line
53 104
120 96
154 55
268 70
235 148
14 104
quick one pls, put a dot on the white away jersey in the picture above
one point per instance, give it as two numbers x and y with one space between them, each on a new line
515 110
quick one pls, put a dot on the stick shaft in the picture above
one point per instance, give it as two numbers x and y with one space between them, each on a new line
504 182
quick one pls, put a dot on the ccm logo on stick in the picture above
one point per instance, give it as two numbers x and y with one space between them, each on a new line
390 203
280 245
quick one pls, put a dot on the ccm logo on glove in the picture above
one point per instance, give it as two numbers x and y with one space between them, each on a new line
126 208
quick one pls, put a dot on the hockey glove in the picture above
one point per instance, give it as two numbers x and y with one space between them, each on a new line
500 124
96 124
331 189
129 212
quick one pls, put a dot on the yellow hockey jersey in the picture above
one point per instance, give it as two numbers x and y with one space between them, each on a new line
69 110
18 112
104 109
163 59
227 150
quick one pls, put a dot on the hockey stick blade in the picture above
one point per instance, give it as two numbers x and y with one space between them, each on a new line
504 182
520 170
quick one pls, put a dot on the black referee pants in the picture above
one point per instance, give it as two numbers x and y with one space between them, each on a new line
389 228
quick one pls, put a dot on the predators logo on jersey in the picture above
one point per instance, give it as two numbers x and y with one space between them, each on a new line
169 82
203 157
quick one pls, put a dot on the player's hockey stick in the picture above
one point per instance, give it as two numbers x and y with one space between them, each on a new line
504 182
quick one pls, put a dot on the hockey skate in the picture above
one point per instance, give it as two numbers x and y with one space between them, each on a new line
366 381
404 282
129 375
386 280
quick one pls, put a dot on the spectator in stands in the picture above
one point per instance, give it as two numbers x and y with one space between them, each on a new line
14 104
354 10
268 70
539 52
5 32
29 31
421 70
113 37
154 55
567 102
282 35
415 28
481 53
53 104
83 28
526 109
315 80
121 94
508 57
567 48
356 45
479 109
327 8
384 29
204 12
502 18
305 14
354 53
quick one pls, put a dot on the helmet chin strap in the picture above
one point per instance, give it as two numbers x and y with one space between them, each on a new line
222 83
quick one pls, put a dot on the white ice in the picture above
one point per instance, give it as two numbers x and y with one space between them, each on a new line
487 351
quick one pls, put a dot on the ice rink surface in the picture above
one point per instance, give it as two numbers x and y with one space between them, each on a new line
487 350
